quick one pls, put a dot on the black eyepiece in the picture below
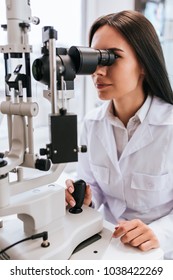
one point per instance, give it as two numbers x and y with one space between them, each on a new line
87 59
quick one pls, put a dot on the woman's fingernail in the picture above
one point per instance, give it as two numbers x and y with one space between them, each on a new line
72 203
70 189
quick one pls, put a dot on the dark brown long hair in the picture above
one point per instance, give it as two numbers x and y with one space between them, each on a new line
141 35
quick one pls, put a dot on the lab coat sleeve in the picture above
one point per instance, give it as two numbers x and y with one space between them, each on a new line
84 171
163 228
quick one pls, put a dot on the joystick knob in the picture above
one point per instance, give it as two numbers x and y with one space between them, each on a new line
78 195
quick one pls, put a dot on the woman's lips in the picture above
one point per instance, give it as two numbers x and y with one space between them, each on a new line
102 86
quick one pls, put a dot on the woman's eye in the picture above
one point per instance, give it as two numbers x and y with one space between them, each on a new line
116 56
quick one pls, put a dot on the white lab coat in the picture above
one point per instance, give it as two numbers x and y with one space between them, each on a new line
140 183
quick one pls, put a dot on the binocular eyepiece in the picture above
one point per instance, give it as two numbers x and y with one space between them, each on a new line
71 62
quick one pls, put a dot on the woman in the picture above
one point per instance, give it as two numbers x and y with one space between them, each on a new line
129 164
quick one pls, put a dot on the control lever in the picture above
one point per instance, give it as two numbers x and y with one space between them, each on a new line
78 195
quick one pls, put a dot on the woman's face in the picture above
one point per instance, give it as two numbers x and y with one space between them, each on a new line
125 76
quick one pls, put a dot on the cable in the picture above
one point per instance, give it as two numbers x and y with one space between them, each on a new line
44 244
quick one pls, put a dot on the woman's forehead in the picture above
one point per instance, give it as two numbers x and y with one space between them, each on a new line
107 37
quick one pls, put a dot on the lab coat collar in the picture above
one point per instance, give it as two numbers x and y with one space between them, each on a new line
160 113
141 138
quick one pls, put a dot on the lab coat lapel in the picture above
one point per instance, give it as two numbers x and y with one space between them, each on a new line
141 138
108 141
161 113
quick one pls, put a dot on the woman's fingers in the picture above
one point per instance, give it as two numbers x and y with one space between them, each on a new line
137 234
68 193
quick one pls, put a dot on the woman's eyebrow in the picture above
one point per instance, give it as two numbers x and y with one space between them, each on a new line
115 49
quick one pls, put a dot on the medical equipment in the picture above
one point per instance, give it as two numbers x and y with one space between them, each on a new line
38 201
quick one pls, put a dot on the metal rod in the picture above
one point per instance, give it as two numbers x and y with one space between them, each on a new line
52 62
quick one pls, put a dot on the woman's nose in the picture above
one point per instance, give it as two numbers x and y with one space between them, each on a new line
100 70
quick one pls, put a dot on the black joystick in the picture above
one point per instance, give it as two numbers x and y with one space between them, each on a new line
78 195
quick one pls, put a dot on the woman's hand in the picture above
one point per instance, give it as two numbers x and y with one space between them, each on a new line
70 189
136 234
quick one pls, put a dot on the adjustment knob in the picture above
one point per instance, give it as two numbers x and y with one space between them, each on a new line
3 162
82 149
43 164
43 151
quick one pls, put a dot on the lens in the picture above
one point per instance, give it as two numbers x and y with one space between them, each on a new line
64 67
40 69
107 57
86 60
